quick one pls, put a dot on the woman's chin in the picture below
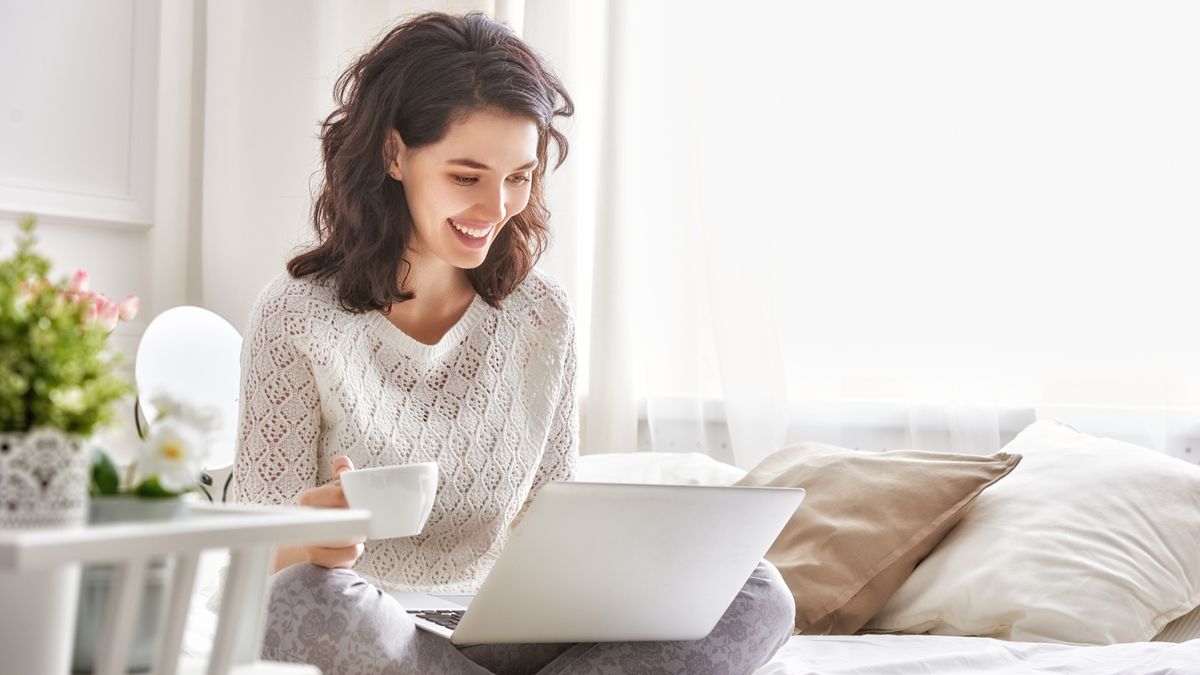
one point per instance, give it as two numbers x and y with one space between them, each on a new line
469 260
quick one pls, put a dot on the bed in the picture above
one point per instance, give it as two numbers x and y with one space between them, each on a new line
1145 620
885 654
895 654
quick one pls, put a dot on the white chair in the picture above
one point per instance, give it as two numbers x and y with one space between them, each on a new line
193 354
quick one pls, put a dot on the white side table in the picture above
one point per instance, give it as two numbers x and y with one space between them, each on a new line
249 532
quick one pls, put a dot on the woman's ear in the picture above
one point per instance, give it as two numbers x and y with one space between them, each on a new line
395 151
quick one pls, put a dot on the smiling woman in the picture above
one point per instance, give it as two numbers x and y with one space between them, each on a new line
417 330
460 206
394 152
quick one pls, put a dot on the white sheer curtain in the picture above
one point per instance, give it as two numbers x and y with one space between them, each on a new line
883 224
876 224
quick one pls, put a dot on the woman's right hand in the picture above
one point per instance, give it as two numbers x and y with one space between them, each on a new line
344 552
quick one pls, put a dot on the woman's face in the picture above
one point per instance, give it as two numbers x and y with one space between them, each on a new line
463 189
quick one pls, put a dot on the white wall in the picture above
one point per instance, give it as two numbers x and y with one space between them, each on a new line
77 125
78 95
263 100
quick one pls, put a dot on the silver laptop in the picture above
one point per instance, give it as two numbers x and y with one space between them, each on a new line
596 562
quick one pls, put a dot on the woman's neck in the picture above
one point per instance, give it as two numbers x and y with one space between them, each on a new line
434 281
442 295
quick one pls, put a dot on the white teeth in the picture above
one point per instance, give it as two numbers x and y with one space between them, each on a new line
474 234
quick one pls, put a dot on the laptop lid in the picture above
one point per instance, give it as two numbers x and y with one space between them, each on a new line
616 562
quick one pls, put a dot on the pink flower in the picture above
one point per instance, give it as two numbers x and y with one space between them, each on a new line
108 312
80 284
129 307
99 309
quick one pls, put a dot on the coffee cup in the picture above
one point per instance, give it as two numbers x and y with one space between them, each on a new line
399 498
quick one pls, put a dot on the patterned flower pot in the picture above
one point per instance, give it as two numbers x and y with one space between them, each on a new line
44 477
43 484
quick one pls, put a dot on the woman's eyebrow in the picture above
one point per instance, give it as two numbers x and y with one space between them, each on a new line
473 164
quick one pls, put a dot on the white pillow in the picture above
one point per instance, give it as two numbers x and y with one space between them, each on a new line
1089 540
1186 627
672 468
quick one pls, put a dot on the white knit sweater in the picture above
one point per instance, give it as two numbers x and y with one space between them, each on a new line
493 403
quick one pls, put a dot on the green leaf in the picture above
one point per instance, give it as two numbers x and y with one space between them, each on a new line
105 480
150 488
48 346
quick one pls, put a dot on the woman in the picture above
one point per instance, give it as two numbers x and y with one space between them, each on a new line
417 330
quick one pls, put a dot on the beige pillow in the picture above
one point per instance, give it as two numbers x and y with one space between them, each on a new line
867 521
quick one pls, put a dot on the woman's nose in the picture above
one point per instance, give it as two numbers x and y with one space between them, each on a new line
491 206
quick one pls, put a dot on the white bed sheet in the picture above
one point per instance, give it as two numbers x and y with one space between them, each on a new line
939 654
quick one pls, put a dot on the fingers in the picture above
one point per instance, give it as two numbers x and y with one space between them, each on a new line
335 557
327 496
341 463
341 543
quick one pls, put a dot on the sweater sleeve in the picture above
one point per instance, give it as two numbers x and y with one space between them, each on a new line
280 421
562 443
561 453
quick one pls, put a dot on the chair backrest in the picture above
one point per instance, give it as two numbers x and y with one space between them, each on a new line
193 355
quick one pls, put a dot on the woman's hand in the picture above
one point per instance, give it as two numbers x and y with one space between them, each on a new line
342 553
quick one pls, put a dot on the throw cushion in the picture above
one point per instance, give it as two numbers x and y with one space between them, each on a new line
1090 541
868 519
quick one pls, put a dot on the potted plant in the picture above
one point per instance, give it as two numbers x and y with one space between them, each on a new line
58 383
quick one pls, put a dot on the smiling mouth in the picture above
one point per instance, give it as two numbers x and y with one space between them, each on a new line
473 232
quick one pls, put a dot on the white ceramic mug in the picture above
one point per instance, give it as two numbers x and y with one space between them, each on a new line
399 498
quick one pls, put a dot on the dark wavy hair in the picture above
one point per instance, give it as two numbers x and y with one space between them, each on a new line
425 74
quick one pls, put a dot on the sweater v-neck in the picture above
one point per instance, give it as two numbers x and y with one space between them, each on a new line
416 349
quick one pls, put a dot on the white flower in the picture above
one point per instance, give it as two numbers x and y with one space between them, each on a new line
164 406
204 419
68 399
174 452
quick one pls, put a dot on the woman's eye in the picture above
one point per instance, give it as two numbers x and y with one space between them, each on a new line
471 180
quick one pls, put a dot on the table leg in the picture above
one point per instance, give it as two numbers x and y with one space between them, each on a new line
183 579
243 609
124 601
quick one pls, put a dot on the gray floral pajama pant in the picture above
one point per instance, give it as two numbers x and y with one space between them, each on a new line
342 624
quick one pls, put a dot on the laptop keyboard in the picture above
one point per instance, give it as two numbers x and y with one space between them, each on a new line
446 618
